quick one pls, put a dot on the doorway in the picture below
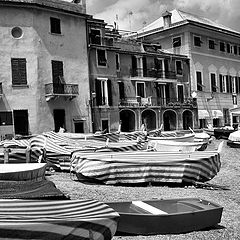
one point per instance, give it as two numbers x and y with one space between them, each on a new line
79 126
59 119
105 126
20 122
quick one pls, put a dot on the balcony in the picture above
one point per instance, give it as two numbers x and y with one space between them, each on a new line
54 90
157 102
152 73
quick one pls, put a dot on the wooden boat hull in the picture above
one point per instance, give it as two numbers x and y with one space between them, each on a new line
61 219
183 138
222 133
174 146
22 171
179 216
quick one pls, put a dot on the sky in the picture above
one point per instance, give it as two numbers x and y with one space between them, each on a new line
132 15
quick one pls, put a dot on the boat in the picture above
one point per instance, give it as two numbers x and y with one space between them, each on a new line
22 171
173 136
234 139
147 166
174 146
170 216
223 132
57 219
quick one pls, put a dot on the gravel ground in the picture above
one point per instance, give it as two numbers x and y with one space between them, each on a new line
229 176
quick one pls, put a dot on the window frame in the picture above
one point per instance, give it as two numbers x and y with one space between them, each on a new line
180 37
199 85
222 44
100 36
19 71
98 60
214 43
176 68
144 89
213 87
55 26
194 41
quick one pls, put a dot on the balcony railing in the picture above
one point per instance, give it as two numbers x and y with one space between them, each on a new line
56 89
153 73
157 102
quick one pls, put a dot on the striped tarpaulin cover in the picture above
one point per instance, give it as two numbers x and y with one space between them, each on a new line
62 219
140 167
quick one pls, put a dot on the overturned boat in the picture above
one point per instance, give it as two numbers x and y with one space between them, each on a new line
144 166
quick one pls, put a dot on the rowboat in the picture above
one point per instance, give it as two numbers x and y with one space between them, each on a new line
169 145
223 132
234 139
61 219
189 137
166 216
22 171
143 166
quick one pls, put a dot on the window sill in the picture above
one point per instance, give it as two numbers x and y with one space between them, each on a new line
56 34
20 86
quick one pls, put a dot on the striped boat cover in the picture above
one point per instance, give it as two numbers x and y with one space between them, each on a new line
62 219
147 167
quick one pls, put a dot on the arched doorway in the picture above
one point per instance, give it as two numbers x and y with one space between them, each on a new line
187 120
128 120
169 120
149 119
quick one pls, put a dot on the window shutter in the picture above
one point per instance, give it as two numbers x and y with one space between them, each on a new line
98 92
109 85
19 71
221 82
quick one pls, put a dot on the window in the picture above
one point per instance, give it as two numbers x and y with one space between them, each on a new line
222 83
222 47
19 72
179 68
140 89
226 116
229 80
177 42
95 36
117 62
199 81
234 84
103 88
197 41
213 82
55 25
234 98
228 48
6 118
235 50
237 80
238 50
211 44
101 58
121 90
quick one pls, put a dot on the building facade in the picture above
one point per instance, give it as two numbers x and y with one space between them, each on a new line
43 67
214 53
132 83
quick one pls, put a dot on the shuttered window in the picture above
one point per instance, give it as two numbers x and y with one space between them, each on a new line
19 71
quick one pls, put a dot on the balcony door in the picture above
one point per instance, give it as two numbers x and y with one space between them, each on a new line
180 93
57 77
59 119
161 98
140 89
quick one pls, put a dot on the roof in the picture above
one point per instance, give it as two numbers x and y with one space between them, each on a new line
53 4
180 18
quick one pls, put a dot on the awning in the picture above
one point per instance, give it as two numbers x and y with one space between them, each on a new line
217 114
235 111
202 114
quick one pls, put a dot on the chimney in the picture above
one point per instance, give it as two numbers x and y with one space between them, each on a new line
167 19
82 3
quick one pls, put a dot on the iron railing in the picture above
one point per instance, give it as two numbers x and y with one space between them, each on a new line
61 89
157 102
154 73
